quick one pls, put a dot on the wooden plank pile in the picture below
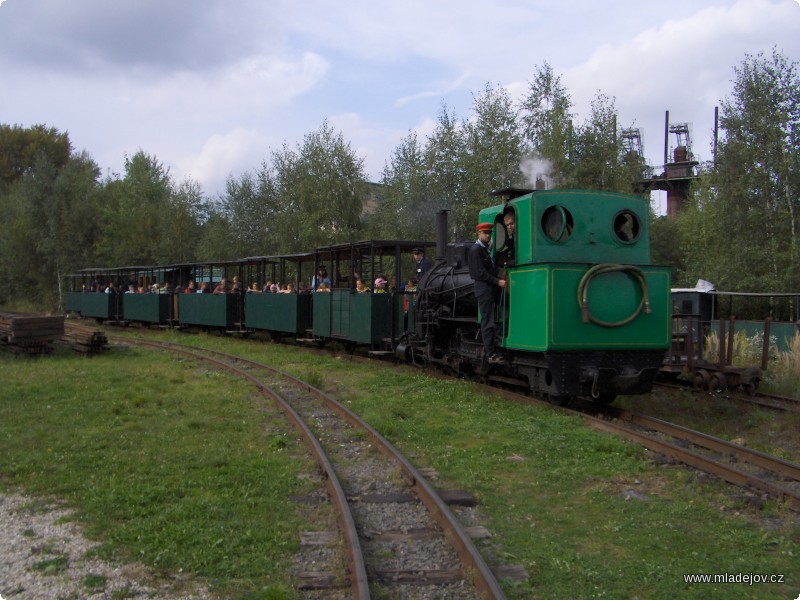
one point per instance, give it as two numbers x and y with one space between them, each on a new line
88 340
30 334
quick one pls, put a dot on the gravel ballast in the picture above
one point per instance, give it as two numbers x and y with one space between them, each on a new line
43 555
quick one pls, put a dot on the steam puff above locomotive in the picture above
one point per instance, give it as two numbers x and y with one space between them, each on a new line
584 311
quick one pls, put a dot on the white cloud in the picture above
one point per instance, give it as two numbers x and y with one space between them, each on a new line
438 92
425 128
222 155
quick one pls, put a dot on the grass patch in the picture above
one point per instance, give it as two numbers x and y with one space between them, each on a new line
51 566
165 464
94 584
584 512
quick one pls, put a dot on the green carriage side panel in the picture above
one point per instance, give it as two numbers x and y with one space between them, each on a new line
260 311
340 313
361 318
554 322
382 326
322 314
100 305
73 301
210 310
286 313
370 318
148 308
412 303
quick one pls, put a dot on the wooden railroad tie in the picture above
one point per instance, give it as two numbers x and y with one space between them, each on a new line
30 334
86 339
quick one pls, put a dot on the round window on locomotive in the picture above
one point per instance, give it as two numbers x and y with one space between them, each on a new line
500 235
557 223
626 227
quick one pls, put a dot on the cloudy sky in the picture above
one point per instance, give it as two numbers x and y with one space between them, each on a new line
210 87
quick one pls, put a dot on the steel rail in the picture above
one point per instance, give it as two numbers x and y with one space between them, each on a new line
357 570
475 566
703 463
694 459
683 455
772 463
482 576
774 401
762 399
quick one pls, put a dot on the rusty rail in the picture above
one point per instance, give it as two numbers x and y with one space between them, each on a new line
481 575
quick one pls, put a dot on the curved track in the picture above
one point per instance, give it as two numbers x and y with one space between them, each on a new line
338 446
766 474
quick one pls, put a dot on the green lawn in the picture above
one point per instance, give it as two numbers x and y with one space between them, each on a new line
180 467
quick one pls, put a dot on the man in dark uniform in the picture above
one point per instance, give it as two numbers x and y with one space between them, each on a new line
484 273
423 264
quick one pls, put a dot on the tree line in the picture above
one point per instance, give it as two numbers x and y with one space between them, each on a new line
739 230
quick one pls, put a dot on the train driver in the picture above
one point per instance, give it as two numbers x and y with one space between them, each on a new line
487 285
506 256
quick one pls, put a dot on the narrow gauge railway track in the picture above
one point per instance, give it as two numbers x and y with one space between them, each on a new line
774 401
767 474
762 399
731 462
404 547
754 470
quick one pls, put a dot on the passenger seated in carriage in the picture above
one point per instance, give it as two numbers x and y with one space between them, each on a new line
222 287
380 285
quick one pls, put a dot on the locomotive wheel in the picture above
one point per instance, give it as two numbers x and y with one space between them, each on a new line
718 382
750 386
701 379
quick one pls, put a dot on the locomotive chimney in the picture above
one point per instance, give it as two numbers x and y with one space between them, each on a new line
441 234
